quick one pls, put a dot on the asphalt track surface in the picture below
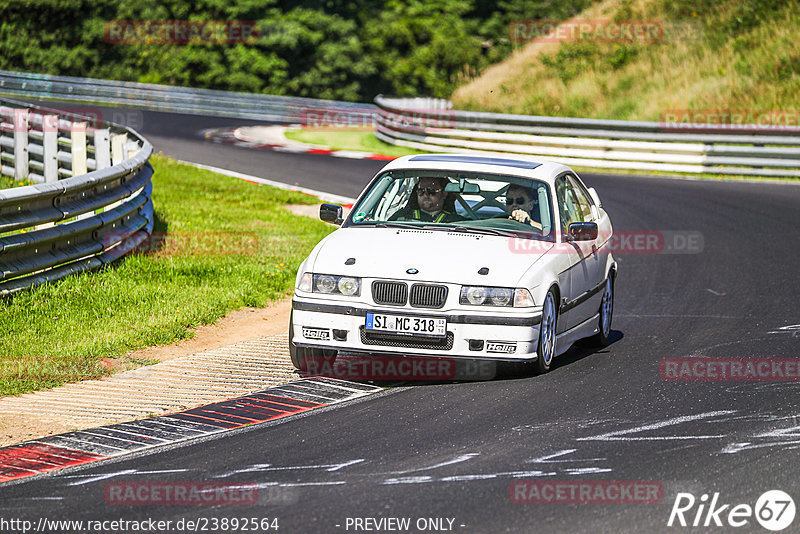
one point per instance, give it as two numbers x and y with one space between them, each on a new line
451 450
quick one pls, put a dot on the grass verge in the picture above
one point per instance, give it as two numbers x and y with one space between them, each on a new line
223 244
728 61
364 141
7 182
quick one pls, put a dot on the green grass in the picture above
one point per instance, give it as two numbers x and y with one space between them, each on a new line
7 182
228 244
345 140
716 56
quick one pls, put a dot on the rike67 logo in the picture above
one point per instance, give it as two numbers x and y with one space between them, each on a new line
774 510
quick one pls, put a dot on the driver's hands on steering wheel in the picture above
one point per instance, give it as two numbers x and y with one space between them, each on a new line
523 217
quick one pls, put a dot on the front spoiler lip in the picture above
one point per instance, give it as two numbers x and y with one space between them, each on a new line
377 353
339 309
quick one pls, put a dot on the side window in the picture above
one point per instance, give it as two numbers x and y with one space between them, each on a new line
395 198
582 198
568 207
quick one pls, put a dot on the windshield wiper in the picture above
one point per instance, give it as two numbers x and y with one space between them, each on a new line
397 224
465 229
489 231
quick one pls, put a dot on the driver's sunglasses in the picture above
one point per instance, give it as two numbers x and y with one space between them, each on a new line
428 191
519 200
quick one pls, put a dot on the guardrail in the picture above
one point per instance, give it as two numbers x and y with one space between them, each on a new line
174 99
91 206
429 124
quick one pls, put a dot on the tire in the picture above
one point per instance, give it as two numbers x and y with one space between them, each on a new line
606 314
546 348
301 356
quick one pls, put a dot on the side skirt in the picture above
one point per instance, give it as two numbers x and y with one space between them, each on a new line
587 328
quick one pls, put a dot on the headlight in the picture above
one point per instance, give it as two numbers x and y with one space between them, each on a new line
330 284
502 297
348 286
324 283
487 296
473 295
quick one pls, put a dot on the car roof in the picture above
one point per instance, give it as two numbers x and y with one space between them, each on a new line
517 165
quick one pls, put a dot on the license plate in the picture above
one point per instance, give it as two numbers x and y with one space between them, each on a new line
407 325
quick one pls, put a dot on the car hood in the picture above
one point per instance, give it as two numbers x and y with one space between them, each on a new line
439 256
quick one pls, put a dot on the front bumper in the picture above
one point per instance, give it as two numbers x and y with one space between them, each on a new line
474 334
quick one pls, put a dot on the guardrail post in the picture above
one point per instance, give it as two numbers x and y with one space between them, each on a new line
50 147
130 149
78 136
21 143
117 142
102 148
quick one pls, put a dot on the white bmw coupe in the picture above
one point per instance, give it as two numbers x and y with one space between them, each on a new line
459 256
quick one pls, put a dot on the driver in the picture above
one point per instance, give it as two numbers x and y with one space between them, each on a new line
428 204
520 203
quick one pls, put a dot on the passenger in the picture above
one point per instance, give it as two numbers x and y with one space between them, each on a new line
429 202
521 203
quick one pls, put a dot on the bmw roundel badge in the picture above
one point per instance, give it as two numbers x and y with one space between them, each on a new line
412 271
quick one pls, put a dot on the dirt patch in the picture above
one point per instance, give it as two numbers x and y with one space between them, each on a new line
16 429
240 325
311 210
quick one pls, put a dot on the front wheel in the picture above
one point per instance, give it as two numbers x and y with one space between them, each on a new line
546 349
600 339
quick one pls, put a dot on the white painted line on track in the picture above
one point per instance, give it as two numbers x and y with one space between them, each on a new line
322 195
624 435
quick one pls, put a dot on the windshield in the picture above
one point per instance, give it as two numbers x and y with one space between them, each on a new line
477 202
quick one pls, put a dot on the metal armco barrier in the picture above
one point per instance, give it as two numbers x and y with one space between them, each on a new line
91 206
176 99
429 124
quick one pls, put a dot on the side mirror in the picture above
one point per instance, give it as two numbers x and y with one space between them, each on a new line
582 231
331 213
595 197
